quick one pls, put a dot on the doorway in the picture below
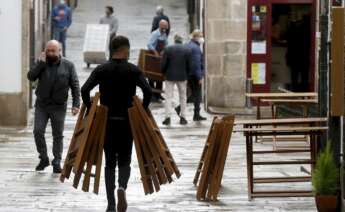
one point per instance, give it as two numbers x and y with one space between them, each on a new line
281 45
291 47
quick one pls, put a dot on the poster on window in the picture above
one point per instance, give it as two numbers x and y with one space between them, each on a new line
259 73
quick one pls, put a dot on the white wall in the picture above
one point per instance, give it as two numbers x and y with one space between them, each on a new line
10 46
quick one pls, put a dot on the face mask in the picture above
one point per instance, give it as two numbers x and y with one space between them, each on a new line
201 40
52 59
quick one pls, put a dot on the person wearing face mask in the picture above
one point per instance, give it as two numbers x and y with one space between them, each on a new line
157 43
112 21
197 74
117 80
55 76
62 20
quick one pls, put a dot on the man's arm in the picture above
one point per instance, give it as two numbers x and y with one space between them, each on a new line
36 71
154 24
189 62
90 83
145 87
74 85
116 25
165 61
69 17
152 42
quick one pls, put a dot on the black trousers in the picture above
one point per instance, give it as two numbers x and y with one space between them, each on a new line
196 95
118 149
56 115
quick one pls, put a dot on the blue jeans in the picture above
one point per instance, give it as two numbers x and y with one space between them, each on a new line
60 35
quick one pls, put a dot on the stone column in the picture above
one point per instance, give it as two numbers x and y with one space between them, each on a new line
14 60
226 35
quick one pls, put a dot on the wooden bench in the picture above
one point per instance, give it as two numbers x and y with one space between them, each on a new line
310 127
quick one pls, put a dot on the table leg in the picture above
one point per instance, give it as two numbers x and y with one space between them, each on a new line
249 147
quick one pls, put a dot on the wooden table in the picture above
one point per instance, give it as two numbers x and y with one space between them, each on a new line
284 97
275 127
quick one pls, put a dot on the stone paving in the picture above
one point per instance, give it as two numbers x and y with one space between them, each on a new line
23 189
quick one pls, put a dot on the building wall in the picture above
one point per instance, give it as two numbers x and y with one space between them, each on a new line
226 35
14 62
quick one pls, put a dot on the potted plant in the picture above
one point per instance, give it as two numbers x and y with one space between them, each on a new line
325 181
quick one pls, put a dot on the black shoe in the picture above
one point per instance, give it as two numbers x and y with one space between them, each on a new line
122 201
183 121
167 121
178 110
197 117
160 97
57 169
42 165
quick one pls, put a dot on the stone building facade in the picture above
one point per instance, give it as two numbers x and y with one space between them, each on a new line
225 50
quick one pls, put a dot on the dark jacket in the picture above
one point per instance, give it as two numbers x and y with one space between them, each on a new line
54 82
157 19
198 60
117 80
176 62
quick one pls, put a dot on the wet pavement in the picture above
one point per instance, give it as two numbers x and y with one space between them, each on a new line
23 189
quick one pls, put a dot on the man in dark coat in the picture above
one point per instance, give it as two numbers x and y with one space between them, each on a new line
197 74
176 65
117 80
55 76
160 16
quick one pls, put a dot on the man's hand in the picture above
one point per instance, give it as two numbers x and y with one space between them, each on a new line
75 111
42 57
65 29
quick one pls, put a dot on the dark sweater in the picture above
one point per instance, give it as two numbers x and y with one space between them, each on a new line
176 62
117 80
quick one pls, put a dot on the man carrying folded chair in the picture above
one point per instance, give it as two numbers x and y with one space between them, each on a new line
117 80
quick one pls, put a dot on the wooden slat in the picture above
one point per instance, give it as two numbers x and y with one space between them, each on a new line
288 121
281 95
145 180
67 168
104 112
203 155
262 163
282 179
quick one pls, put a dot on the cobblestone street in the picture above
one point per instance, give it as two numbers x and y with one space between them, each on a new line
24 190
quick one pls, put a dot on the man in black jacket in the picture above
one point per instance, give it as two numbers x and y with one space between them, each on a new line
55 76
160 16
117 80
176 65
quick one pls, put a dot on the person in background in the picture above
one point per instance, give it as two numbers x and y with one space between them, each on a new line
55 76
112 21
156 44
62 20
176 64
160 16
117 80
197 74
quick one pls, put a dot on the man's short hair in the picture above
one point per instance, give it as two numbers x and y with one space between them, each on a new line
178 38
160 9
119 42
110 8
